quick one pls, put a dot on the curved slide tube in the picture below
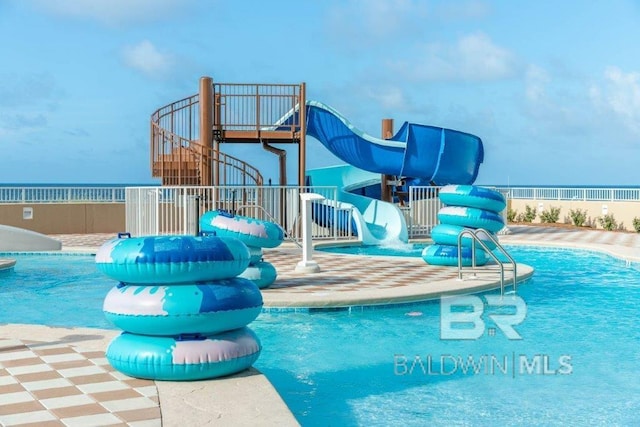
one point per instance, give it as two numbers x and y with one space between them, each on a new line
376 221
443 156
427 153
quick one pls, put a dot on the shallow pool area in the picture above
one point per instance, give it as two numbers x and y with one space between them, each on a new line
575 364
54 289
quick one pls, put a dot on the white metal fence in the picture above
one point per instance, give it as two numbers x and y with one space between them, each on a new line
62 195
585 194
176 210
422 213
52 194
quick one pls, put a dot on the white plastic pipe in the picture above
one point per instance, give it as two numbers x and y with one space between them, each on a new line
307 265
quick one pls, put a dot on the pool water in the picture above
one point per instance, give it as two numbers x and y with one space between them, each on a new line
56 290
577 362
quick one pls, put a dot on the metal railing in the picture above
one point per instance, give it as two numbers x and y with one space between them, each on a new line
475 239
422 213
62 195
567 193
176 210
255 107
178 158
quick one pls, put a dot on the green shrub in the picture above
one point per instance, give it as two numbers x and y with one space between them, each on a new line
529 214
608 222
636 224
578 217
511 215
550 216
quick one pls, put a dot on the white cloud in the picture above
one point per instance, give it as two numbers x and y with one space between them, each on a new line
389 98
146 58
536 80
112 12
455 11
619 94
555 105
371 22
473 57
383 17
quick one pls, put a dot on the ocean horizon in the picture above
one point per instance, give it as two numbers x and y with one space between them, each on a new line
121 185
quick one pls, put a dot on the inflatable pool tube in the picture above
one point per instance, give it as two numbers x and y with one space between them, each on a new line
473 197
184 358
204 307
447 234
448 256
471 217
172 259
255 255
251 231
263 274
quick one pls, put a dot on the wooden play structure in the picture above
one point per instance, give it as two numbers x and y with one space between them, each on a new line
186 135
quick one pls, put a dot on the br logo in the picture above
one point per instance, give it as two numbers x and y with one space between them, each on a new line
461 317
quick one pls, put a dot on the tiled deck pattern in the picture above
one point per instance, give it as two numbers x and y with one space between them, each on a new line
342 274
56 384
339 273
44 384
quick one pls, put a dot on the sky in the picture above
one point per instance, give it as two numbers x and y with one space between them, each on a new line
551 87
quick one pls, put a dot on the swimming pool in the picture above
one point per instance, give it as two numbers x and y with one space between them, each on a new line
579 346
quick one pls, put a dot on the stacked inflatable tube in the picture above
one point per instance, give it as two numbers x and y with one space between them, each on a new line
448 255
183 311
467 207
254 233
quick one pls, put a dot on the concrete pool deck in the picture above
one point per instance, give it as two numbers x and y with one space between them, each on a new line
58 376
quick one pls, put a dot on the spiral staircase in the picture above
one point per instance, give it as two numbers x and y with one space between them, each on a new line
186 135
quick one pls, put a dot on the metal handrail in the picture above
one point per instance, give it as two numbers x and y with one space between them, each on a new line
474 236
174 132
272 219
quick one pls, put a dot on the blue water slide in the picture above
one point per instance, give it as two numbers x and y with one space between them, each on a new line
373 221
441 156
417 153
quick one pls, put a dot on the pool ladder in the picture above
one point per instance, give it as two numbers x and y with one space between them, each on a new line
501 265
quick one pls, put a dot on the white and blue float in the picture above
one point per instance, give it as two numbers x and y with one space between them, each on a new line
471 218
472 196
185 308
183 311
467 207
262 273
250 231
254 233
447 234
255 255
447 255
184 357
172 259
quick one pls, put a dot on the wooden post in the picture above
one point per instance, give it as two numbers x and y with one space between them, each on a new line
206 132
302 146
387 133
